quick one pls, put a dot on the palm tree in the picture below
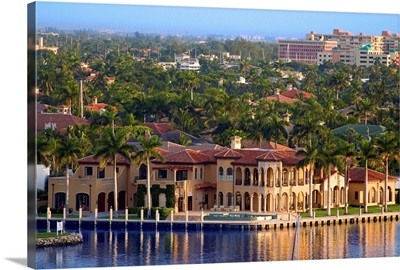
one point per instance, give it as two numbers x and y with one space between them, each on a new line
368 153
113 143
189 81
148 151
347 154
276 126
388 148
331 158
311 154
69 151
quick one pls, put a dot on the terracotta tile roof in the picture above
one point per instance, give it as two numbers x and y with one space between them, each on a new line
186 156
91 160
61 121
270 156
264 145
280 98
296 93
98 106
252 157
159 128
357 174
230 154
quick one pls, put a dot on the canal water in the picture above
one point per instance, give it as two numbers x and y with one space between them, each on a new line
112 248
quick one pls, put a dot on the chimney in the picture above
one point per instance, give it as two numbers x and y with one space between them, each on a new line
276 91
94 100
236 142
289 86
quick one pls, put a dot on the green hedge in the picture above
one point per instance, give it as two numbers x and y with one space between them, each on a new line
155 191
163 211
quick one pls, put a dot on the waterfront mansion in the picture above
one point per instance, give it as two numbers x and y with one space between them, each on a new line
207 176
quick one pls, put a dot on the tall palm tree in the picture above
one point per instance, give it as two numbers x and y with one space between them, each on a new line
346 152
311 154
388 148
276 126
113 143
148 151
331 159
69 151
369 154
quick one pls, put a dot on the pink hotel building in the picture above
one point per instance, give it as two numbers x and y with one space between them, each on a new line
340 46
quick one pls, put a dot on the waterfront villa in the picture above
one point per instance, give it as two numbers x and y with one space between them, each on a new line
211 177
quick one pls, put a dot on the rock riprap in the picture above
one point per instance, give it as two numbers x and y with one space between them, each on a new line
71 239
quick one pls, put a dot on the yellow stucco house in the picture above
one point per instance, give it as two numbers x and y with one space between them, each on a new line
211 177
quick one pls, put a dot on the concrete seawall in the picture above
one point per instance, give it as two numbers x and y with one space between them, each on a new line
194 222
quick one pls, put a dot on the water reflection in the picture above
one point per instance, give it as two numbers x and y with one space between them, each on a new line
135 248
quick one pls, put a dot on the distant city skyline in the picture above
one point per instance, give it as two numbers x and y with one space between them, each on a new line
179 20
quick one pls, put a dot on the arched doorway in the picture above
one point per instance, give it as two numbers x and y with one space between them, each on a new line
284 203
59 200
300 201
239 200
82 199
247 201
101 202
121 200
110 200
316 196
220 199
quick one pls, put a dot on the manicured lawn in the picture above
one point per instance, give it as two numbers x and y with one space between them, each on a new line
352 210
50 234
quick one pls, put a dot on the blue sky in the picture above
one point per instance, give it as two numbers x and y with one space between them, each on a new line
203 20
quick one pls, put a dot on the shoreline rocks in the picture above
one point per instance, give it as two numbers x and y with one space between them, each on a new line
72 239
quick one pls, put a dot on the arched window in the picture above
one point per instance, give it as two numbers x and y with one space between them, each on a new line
270 177
247 177
238 176
220 173
262 178
285 178
255 177
229 174
292 177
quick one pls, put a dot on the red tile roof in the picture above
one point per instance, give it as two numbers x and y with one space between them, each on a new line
357 174
230 154
98 106
252 157
61 121
186 156
159 128
296 93
280 98
91 160
264 145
